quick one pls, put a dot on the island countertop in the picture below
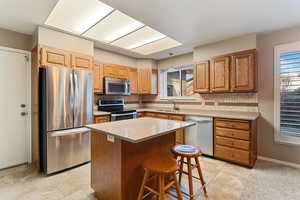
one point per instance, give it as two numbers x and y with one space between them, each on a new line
140 129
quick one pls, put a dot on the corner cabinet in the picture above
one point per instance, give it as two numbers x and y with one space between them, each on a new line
133 77
243 71
201 77
220 74
98 77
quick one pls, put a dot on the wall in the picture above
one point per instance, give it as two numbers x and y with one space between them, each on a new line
15 40
206 52
184 59
266 145
64 41
114 58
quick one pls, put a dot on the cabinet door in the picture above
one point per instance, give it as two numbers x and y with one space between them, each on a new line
115 71
108 71
219 74
102 119
154 81
243 71
201 77
179 134
133 77
122 72
144 81
81 61
98 77
55 57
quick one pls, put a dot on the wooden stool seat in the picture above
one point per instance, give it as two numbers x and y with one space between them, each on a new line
162 168
186 151
189 152
161 165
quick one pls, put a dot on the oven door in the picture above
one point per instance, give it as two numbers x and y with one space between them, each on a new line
115 86
117 117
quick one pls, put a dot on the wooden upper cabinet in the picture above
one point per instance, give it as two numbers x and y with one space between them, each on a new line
115 71
81 61
98 77
133 77
144 81
54 57
243 71
201 77
220 74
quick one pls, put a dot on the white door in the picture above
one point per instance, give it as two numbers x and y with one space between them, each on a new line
15 95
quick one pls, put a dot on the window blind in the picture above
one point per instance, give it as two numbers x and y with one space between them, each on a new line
290 93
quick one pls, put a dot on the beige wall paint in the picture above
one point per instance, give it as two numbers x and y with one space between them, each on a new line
206 52
15 40
266 145
110 57
146 64
64 41
184 59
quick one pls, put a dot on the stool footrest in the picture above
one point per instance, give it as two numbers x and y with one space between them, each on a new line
151 190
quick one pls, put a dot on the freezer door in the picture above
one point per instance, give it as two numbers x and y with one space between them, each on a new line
67 148
58 98
83 98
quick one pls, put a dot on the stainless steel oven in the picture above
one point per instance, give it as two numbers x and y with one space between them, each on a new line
116 86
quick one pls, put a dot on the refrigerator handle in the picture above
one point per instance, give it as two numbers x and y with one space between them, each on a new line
75 108
72 91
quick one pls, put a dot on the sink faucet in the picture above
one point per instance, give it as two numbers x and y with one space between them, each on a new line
174 105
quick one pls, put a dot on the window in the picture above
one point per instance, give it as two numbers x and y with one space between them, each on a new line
177 82
287 93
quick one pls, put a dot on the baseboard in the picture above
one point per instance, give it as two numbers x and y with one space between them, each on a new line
290 164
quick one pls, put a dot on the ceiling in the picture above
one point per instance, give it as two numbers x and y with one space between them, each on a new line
191 22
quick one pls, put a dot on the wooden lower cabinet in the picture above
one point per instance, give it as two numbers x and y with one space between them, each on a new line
180 136
101 119
235 141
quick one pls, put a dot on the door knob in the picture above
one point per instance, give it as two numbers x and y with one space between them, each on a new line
24 113
23 105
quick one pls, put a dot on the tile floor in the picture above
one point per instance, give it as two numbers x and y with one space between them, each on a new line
225 182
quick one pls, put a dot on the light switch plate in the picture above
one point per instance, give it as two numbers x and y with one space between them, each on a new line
110 138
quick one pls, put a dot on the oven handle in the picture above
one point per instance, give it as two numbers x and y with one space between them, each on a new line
125 114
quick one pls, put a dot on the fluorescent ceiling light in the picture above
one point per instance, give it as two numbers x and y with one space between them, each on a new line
113 27
77 16
139 38
159 45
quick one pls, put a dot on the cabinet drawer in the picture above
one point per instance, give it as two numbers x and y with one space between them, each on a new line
180 137
176 117
240 144
163 116
239 124
232 133
102 119
231 154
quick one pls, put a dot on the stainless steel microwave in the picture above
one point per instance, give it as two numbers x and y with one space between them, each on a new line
116 86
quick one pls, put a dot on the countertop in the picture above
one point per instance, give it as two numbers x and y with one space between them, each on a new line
207 113
140 129
100 113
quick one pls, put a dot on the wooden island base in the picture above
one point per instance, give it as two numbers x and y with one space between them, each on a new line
116 169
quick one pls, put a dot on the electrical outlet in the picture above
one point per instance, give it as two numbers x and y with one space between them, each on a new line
110 138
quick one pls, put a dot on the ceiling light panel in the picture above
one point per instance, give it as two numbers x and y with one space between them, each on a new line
159 45
114 26
77 16
139 38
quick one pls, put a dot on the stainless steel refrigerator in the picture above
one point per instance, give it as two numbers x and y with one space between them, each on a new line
66 106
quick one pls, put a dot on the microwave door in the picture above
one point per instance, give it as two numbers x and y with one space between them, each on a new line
83 98
58 98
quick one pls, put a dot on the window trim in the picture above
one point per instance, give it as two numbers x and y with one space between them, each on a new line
163 77
278 136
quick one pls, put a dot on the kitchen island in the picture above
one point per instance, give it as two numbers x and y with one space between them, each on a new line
119 148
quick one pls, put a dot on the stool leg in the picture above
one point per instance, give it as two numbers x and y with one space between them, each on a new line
140 197
181 169
190 176
201 176
177 187
161 179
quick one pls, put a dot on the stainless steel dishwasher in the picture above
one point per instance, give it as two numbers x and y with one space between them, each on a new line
200 135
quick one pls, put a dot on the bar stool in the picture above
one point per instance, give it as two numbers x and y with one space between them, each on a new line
161 167
189 152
